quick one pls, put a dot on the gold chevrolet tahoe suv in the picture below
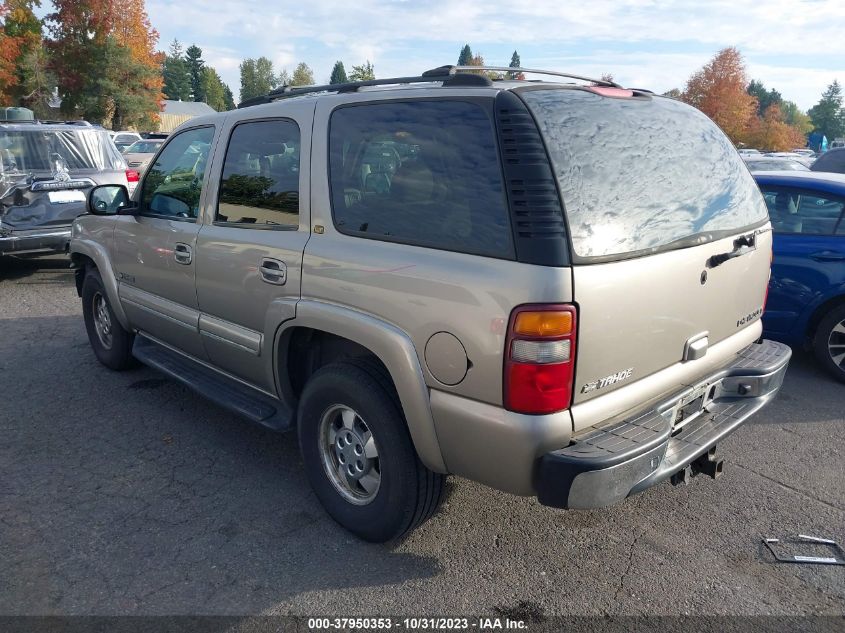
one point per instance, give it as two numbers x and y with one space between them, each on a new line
550 287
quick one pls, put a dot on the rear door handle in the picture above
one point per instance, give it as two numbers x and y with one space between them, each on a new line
182 253
273 271
828 256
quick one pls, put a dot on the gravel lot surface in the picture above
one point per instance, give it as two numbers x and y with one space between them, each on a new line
125 493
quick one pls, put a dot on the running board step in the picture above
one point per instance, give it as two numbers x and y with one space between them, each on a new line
222 390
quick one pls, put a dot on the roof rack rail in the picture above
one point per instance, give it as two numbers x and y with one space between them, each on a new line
285 91
449 75
508 69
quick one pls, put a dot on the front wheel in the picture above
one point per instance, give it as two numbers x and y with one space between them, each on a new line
111 343
358 453
829 342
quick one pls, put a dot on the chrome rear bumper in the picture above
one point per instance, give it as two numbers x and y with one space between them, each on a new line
604 466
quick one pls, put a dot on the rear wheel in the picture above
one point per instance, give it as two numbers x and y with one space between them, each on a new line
829 342
111 343
358 453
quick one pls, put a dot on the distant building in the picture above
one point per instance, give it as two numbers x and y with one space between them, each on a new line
174 113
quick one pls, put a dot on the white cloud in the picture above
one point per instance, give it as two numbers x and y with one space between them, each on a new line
322 31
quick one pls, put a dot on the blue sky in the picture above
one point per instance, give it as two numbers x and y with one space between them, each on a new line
796 46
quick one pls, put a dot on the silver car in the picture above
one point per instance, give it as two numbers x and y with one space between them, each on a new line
46 172
502 280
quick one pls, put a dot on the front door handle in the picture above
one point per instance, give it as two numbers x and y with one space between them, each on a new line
273 271
182 253
828 256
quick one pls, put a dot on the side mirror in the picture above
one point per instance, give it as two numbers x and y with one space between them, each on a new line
109 200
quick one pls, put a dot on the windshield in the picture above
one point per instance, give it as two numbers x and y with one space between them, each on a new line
775 165
38 150
143 147
639 174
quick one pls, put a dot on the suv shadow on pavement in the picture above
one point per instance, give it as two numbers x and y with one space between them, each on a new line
55 269
159 503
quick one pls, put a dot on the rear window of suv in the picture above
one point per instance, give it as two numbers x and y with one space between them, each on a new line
39 149
642 174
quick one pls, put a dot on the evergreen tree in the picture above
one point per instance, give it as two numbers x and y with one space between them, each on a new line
828 115
229 97
196 65
338 74
765 98
515 63
465 57
177 77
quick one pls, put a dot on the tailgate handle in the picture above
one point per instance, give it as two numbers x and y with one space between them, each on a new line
742 245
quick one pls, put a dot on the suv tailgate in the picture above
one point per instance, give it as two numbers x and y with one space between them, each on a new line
656 198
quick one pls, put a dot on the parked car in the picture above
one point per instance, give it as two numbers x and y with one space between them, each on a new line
390 272
124 139
748 153
794 156
769 163
46 171
831 161
806 305
139 154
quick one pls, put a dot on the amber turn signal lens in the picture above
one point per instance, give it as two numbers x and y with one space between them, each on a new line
543 323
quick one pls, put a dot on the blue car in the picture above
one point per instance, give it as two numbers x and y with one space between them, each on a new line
806 303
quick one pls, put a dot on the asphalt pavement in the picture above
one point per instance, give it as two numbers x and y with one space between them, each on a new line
126 493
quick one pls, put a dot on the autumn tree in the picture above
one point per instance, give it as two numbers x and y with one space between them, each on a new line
719 90
22 55
105 60
772 132
302 75
177 79
828 115
338 74
196 65
364 72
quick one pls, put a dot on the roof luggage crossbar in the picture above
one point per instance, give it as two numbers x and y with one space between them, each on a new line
508 69
449 75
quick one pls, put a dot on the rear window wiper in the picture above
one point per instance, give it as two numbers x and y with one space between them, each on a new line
742 245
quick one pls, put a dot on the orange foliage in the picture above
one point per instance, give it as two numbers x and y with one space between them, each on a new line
132 28
719 90
772 133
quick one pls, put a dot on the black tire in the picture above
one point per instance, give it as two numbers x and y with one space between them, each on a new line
827 333
408 493
117 355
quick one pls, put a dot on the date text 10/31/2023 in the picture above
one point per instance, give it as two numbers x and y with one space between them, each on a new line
417 624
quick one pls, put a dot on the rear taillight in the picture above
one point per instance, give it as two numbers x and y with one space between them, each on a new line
540 358
132 175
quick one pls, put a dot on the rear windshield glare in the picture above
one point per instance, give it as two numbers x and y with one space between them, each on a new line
643 174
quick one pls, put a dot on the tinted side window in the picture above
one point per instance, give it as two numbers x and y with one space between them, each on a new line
803 212
260 182
173 184
420 172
